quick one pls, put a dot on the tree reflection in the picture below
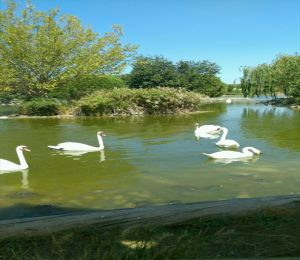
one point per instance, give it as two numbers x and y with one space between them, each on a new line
277 125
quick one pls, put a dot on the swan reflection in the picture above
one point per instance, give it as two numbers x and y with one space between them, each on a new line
207 136
231 160
79 153
24 179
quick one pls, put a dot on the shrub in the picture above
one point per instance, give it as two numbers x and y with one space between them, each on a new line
139 101
84 85
40 107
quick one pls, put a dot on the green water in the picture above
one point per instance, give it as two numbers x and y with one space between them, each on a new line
150 160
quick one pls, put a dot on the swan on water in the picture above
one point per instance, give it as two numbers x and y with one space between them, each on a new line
7 166
226 143
72 146
247 152
207 129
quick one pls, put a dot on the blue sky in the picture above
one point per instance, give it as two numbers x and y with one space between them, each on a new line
232 33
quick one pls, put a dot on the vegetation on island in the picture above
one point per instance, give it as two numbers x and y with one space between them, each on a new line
51 64
50 61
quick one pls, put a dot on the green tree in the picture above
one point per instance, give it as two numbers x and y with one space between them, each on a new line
287 74
152 72
39 50
282 75
200 77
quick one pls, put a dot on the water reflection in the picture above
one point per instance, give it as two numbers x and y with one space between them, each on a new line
231 160
206 136
80 153
277 125
24 178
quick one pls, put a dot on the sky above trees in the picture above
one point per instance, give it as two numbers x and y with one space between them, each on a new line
232 33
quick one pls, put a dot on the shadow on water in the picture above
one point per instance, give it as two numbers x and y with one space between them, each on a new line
29 211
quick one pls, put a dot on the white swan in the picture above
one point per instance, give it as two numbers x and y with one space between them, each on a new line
226 143
72 146
247 152
7 166
207 131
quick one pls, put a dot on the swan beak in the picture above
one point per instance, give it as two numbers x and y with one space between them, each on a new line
26 149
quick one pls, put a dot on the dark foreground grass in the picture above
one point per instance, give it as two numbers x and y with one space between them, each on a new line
265 233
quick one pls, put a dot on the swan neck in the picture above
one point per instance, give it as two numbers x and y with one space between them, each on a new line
247 151
101 144
22 158
225 132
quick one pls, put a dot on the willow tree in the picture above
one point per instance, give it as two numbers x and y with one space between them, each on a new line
287 72
38 50
282 75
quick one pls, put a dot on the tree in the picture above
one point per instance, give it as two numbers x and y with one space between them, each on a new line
200 77
149 72
282 75
287 71
39 50
152 72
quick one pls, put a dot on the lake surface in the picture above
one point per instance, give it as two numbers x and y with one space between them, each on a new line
150 160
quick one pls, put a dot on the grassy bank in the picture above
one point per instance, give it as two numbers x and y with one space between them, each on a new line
265 233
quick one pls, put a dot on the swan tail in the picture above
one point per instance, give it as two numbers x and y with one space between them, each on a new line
54 147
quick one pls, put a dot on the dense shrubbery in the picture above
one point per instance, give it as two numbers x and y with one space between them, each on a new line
40 107
81 86
139 101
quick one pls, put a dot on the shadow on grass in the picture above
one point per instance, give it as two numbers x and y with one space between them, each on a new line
270 232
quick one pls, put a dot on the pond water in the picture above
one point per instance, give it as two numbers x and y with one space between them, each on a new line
150 160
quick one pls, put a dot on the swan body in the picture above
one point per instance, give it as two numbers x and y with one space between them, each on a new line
228 101
72 146
207 129
7 166
226 143
247 152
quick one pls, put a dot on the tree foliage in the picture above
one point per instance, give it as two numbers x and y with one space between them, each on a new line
282 75
39 50
152 72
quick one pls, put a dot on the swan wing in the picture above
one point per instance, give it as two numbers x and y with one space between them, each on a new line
72 146
8 166
225 155
228 143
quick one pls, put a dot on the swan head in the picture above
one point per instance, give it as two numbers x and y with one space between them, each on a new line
101 133
252 149
255 151
22 148
196 124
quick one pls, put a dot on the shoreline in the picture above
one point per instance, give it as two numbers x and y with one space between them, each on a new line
152 216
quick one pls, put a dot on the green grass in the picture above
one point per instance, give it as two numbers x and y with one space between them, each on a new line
265 233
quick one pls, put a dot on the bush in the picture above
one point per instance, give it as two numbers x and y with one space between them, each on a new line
40 107
84 85
139 101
